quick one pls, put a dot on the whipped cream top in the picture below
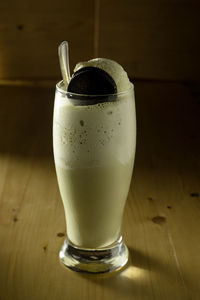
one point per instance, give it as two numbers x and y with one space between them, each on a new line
114 69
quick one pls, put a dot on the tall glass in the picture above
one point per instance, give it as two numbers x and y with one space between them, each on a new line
94 149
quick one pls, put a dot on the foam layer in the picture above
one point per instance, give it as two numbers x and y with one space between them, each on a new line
94 135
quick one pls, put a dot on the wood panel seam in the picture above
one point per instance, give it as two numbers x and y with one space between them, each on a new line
96 27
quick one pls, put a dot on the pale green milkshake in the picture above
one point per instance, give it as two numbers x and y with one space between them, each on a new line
94 149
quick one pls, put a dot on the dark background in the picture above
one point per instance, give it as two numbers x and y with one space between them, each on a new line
153 40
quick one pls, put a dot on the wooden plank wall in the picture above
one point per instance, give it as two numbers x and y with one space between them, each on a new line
156 39
30 32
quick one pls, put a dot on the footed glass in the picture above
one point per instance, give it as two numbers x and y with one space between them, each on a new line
94 150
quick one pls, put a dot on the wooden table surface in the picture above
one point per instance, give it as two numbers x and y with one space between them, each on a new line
161 224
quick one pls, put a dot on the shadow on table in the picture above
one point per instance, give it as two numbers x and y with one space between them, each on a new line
129 279
141 278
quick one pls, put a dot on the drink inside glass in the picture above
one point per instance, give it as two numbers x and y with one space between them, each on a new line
94 138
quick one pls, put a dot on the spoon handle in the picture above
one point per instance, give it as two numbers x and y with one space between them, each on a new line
63 53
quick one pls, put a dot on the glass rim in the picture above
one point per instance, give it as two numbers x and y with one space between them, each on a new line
64 92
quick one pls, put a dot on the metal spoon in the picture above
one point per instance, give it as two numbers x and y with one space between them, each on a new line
63 53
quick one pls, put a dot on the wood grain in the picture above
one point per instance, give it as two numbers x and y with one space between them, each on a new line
161 222
152 39
30 33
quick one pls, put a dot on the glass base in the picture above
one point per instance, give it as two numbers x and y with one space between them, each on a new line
101 260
